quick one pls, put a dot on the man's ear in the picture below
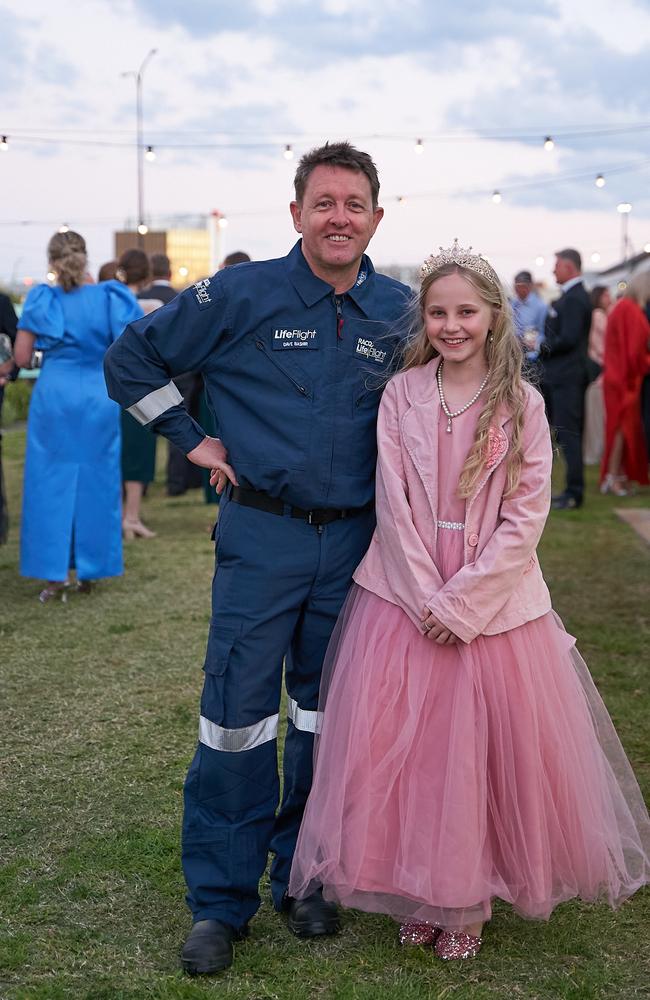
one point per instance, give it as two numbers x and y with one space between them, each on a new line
296 214
377 216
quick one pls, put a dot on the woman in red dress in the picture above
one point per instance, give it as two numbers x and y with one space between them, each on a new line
626 362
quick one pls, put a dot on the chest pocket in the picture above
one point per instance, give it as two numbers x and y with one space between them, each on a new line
286 367
271 412
358 443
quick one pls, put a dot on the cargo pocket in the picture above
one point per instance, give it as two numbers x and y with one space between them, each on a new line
213 700
220 643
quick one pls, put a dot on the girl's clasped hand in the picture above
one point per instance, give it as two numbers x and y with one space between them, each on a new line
434 629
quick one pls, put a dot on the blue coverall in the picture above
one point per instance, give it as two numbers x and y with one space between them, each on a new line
294 375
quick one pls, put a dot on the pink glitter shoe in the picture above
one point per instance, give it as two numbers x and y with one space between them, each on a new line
418 932
457 944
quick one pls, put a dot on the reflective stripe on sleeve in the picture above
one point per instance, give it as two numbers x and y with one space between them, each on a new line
236 740
302 718
153 405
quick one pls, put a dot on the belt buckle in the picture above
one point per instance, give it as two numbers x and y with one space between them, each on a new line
310 517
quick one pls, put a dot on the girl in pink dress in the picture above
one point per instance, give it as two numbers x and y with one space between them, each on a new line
464 752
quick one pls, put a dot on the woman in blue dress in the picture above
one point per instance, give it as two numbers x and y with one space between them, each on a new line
72 490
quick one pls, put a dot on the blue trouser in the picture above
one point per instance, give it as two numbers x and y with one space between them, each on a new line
277 591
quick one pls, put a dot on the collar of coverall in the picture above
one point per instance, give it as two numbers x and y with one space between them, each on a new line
312 289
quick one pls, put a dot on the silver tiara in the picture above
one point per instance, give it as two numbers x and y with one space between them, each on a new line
463 258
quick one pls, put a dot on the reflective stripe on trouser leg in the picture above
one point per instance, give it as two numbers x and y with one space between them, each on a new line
303 719
235 740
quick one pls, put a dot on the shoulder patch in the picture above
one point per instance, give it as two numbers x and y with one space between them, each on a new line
202 293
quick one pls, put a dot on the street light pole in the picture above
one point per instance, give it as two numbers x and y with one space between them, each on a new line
139 145
624 208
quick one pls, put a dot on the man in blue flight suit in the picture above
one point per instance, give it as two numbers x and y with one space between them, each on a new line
294 353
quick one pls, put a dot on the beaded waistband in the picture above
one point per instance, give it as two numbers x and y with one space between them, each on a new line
452 525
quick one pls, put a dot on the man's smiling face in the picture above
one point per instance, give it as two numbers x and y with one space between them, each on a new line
337 221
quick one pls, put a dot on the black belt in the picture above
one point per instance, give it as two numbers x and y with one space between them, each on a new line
272 505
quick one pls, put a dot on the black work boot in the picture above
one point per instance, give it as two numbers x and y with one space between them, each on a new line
311 917
208 948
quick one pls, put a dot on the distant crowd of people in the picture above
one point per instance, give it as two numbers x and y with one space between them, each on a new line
589 356
591 360
97 460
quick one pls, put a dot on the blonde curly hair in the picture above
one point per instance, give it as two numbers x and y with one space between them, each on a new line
505 385
67 256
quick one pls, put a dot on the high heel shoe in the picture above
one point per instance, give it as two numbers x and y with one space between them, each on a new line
418 932
457 945
613 484
136 529
53 590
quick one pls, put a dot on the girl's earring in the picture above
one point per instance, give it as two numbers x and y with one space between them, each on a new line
491 338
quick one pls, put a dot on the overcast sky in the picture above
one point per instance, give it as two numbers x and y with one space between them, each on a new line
481 83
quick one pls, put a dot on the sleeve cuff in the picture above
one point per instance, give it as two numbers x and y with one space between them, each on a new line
180 428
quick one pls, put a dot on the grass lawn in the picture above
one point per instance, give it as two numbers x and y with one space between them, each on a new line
98 721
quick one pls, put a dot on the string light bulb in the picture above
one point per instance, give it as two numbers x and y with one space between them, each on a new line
548 143
223 222
624 208
183 271
496 197
143 229
539 261
150 154
4 144
595 257
600 181
288 152
646 247
51 277
65 228
419 146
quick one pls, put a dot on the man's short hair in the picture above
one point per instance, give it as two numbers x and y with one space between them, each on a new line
571 255
523 278
336 154
160 265
107 271
236 257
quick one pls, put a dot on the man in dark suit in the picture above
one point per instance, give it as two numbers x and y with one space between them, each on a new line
564 368
161 284
181 474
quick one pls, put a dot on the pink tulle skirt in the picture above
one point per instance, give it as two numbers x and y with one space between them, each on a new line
449 775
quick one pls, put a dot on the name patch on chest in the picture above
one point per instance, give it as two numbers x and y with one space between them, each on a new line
366 349
285 339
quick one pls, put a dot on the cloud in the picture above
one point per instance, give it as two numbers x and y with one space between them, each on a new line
335 30
252 147
14 35
48 67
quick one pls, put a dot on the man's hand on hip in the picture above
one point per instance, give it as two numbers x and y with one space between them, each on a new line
211 454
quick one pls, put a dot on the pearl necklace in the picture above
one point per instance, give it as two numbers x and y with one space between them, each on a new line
449 415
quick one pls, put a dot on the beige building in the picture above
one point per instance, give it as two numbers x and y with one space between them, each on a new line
193 253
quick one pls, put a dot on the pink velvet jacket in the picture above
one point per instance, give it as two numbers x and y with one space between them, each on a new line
500 585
